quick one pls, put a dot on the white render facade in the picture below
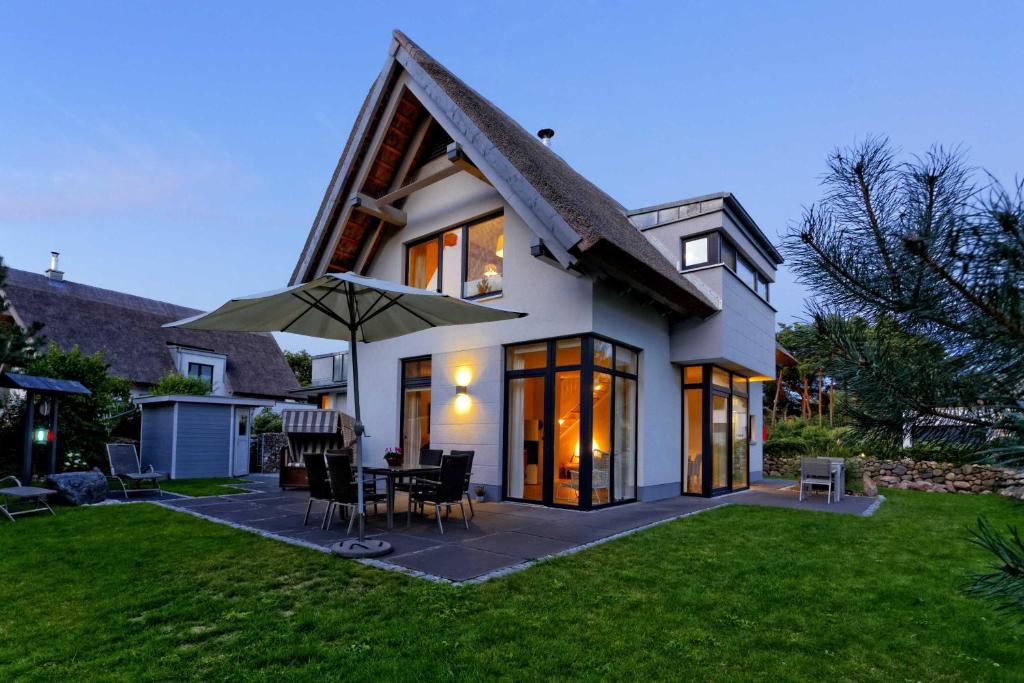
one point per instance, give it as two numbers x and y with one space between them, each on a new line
641 365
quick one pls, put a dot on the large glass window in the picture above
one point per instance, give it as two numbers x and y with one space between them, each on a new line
525 422
625 438
719 441
745 272
693 440
716 430
567 448
466 261
485 253
415 423
695 252
587 394
740 442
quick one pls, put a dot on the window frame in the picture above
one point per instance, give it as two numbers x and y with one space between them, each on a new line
405 383
720 248
438 236
714 251
587 371
192 364
708 390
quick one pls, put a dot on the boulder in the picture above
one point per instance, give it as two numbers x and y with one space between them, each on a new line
962 485
79 488
869 486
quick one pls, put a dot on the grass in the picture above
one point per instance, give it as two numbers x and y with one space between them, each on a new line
739 593
214 486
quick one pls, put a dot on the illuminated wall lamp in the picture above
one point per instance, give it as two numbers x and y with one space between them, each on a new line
463 376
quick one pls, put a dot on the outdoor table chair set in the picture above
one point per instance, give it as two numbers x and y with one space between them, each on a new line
828 473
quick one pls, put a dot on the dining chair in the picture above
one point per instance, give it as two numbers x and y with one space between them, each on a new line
445 492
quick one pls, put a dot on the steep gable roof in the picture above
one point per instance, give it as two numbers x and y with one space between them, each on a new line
128 330
578 221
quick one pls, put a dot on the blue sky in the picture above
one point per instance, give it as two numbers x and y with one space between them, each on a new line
180 150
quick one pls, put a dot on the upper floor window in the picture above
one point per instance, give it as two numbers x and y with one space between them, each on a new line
201 371
466 261
713 248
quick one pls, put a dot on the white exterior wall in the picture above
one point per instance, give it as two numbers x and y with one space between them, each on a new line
741 336
558 303
659 390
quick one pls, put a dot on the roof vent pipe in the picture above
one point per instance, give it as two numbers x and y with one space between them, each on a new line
53 272
545 135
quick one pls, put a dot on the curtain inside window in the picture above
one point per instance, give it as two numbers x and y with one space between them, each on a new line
516 432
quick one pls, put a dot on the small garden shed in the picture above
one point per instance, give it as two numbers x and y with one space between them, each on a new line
197 436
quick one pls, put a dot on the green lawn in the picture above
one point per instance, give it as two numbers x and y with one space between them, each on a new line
215 486
143 593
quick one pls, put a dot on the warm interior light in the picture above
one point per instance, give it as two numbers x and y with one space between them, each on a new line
463 403
500 251
490 270
561 421
760 378
463 376
598 387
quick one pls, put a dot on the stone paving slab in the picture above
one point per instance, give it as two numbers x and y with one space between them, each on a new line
501 537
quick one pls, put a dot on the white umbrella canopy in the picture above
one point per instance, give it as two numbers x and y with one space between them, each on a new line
355 309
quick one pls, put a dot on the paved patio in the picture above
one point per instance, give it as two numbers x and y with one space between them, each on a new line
501 537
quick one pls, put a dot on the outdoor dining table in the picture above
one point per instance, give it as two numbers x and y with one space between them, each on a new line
395 474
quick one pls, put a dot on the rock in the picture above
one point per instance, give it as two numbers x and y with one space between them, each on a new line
79 488
950 476
870 489
937 472
899 470
961 485
967 469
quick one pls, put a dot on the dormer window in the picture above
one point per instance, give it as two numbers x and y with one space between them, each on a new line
201 371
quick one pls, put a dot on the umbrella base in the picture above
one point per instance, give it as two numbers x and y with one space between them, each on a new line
355 549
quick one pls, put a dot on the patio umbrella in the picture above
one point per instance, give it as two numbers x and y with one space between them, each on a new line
353 308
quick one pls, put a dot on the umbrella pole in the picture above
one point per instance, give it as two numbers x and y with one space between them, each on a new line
360 493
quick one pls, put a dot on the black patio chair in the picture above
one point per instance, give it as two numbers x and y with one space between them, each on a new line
469 473
344 494
445 492
428 456
319 486
125 467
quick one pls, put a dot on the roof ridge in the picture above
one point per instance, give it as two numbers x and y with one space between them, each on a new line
79 290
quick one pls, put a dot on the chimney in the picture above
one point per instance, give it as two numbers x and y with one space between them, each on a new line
52 272
545 135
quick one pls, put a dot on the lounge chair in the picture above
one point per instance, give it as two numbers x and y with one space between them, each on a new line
32 494
125 468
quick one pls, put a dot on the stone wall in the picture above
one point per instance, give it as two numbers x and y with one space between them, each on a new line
266 449
924 475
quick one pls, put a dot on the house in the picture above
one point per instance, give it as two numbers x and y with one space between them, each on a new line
329 382
129 330
637 371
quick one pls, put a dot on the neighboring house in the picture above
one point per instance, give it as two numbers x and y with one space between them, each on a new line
128 329
648 332
329 384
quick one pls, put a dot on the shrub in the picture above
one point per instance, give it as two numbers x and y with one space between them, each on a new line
797 437
177 384
266 421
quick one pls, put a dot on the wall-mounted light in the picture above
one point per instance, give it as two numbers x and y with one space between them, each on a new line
42 435
463 376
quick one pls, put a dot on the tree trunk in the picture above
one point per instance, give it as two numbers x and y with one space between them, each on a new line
831 403
821 399
805 403
778 392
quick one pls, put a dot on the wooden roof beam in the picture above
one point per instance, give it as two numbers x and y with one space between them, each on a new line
374 207
459 162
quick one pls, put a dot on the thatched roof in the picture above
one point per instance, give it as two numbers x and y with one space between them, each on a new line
128 329
582 220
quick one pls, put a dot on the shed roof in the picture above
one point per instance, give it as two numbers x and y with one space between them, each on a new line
128 329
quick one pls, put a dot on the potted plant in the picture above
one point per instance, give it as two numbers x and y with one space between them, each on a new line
393 456
479 494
